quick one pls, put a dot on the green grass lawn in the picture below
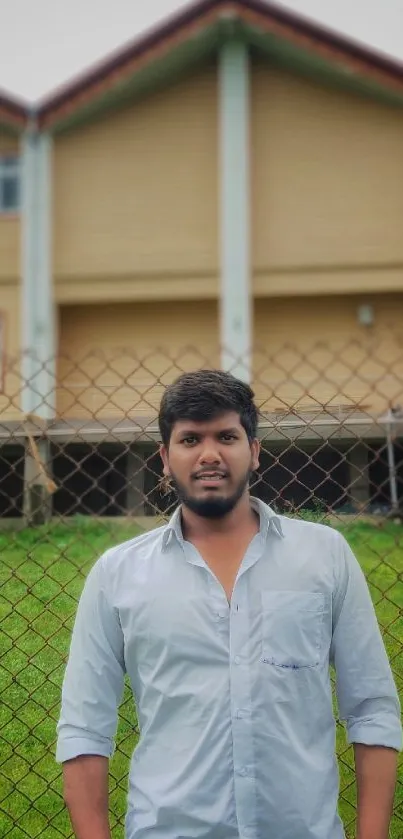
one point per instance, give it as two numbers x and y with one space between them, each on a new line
42 574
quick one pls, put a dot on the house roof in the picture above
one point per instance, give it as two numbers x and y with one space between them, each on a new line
194 34
13 114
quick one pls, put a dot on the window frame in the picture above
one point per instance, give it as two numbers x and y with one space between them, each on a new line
10 167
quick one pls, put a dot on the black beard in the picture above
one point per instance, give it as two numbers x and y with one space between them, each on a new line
211 508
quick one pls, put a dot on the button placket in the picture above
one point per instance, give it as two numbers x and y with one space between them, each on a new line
219 603
240 688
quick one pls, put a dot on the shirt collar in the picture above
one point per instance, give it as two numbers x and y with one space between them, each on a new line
269 520
173 528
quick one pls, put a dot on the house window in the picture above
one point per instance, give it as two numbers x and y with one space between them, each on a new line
9 184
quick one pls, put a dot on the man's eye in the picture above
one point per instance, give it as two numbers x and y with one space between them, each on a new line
189 441
228 437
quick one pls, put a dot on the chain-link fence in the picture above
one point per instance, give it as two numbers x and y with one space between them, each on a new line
80 471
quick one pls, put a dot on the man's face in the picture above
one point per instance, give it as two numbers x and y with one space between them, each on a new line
210 463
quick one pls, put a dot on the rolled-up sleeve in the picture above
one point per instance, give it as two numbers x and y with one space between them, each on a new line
367 696
94 676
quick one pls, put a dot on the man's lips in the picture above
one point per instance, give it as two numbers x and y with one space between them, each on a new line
210 477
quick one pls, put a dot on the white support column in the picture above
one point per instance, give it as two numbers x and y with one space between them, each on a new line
28 264
234 175
37 304
38 342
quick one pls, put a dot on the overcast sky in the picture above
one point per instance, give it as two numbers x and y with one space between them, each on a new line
44 43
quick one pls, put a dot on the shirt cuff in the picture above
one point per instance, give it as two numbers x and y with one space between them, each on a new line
376 732
70 747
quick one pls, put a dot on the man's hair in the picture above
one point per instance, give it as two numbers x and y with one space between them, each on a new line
204 395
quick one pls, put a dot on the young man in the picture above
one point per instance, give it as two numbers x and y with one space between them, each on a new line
227 621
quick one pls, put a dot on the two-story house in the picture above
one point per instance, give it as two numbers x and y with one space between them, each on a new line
225 190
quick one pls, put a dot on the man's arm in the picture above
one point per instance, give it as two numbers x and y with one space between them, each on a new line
86 795
376 770
366 692
92 690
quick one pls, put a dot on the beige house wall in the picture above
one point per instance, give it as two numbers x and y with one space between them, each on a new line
115 360
9 224
313 353
135 194
10 375
135 197
308 355
9 249
327 197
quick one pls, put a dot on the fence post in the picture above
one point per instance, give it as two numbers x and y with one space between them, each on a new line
359 484
38 505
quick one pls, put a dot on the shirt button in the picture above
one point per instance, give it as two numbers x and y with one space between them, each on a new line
243 771
241 714
237 659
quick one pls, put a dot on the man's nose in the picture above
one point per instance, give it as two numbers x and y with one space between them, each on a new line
210 453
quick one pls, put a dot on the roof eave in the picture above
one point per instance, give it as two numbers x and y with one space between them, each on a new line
350 58
13 114
164 66
195 33
148 54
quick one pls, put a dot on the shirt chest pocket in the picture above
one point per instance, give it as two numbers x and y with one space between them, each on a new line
292 628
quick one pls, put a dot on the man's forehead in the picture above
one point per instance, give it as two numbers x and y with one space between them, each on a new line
227 420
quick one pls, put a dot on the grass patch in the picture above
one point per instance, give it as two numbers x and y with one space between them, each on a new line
42 573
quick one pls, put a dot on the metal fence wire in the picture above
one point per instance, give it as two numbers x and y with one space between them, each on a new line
80 471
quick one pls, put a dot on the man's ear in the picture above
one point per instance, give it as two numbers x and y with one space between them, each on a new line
164 458
255 449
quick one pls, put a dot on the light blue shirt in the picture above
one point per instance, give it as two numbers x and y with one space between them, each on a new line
234 701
